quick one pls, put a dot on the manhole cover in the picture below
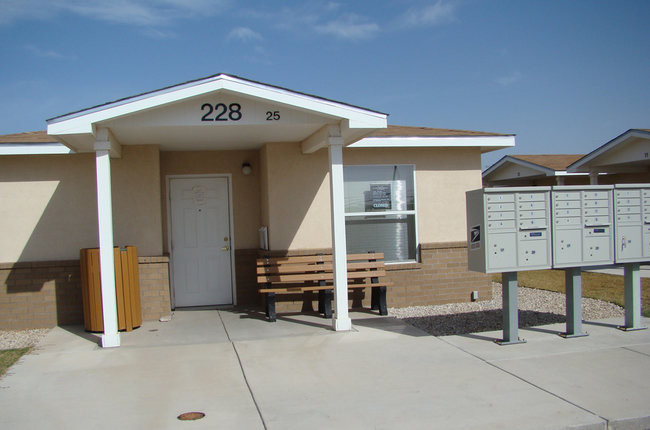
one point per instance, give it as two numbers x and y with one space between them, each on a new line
191 416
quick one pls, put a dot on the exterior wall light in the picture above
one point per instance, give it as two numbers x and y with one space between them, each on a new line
246 169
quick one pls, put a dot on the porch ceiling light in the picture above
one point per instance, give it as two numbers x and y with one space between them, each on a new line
246 169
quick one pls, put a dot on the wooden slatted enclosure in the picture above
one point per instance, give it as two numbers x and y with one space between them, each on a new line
127 289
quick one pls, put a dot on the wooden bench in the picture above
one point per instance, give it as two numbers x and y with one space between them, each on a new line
299 274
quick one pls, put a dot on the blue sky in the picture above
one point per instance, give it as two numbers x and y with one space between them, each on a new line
565 76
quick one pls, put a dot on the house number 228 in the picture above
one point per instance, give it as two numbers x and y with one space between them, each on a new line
221 112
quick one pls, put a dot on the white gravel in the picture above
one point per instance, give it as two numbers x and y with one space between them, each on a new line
14 339
536 307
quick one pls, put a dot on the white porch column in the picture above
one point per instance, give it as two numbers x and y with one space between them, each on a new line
593 178
341 321
103 146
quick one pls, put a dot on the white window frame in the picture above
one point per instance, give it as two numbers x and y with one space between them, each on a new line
413 211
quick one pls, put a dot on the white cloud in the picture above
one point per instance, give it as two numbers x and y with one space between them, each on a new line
44 53
323 18
349 26
510 79
147 13
434 14
244 34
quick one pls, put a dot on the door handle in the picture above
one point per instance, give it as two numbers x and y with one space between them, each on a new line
225 248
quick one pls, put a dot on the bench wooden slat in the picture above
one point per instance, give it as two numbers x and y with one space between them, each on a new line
296 290
316 258
326 267
317 276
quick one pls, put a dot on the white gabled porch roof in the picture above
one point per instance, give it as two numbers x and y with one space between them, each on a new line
514 167
166 117
627 152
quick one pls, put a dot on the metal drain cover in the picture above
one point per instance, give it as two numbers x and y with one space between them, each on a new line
191 416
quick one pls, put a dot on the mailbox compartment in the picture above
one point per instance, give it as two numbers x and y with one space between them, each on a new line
501 250
582 234
631 222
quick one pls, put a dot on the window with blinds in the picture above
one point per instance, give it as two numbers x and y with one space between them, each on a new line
380 211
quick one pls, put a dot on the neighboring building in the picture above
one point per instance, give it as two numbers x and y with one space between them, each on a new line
530 170
201 174
624 159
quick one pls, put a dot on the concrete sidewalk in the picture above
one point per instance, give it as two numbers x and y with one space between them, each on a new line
245 373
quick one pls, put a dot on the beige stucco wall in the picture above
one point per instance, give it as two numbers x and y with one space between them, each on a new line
298 197
298 191
245 189
49 204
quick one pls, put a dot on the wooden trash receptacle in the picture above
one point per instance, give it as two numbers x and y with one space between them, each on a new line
127 289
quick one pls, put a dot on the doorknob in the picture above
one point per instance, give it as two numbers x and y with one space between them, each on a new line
225 248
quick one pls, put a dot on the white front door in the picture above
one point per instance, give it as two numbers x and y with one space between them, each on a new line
200 233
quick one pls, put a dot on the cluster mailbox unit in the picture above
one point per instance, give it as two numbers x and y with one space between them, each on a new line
563 227
508 229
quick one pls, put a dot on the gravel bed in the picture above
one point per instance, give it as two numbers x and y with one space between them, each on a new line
14 339
536 307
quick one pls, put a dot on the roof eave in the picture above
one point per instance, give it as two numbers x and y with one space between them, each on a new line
186 90
486 143
511 159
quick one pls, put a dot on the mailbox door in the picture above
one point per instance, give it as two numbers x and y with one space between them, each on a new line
501 250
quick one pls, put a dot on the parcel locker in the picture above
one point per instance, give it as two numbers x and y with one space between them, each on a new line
632 222
508 229
583 233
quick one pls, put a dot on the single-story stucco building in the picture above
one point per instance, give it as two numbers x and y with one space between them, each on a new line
201 175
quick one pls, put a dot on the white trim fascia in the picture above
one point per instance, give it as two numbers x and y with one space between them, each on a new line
573 168
510 159
435 142
233 277
565 173
81 122
34 149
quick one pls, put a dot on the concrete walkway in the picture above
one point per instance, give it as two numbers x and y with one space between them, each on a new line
245 373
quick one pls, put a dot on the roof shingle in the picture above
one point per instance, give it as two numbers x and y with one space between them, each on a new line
550 161
27 137
406 131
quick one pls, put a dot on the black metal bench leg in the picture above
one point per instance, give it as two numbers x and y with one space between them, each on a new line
327 303
270 306
321 301
381 300
374 298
